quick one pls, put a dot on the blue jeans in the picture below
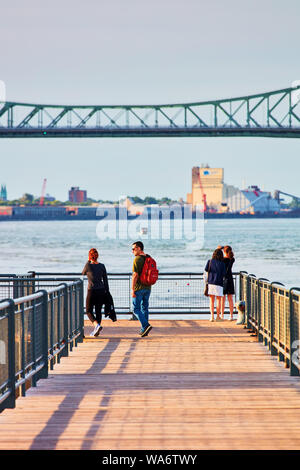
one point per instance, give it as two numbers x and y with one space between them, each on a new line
141 306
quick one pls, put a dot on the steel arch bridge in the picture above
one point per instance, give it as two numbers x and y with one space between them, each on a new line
271 114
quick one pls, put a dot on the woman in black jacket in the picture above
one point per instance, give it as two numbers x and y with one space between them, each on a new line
228 280
215 269
97 289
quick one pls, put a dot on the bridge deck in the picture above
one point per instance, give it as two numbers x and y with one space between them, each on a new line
189 385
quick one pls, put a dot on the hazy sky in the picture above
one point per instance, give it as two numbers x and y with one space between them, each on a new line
141 52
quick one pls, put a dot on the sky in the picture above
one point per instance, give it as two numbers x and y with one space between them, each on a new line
141 52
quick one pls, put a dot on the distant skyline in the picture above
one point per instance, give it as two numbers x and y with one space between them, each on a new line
96 52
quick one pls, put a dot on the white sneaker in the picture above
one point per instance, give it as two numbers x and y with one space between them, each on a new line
96 330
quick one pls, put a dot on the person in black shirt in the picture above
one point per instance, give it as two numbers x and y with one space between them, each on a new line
97 289
228 281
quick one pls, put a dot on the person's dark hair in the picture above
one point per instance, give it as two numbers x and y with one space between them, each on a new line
218 254
139 244
228 251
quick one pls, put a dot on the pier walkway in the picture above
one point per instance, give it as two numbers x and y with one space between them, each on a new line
188 385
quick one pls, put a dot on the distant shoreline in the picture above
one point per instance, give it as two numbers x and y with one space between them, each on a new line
225 216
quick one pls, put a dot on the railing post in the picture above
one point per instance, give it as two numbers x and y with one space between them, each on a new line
294 342
81 312
58 323
76 317
22 340
11 401
271 322
273 350
70 308
260 336
133 317
243 292
51 330
33 337
247 301
250 301
65 351
241 286
43 374
258 312
15 288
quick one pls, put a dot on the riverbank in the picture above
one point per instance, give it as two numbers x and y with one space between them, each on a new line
225 216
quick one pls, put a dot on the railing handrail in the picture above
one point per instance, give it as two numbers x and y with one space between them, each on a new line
4 304
28 298
167 273
34 279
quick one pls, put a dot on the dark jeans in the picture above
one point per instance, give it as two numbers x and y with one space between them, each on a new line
141 306
95 298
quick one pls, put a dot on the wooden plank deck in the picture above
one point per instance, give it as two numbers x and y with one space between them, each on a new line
188 385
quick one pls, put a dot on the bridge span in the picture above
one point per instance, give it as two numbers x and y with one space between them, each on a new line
270 114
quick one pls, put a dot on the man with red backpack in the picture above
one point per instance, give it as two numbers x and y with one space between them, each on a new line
144 275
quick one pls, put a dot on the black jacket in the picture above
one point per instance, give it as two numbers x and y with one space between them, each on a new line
109 309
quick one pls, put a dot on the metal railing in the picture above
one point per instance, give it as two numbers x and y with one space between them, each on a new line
35 332
273 313
16 285
173 293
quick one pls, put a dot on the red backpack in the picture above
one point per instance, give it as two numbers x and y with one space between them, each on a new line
149 274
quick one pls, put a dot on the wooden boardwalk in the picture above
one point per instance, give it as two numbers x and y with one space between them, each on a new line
188 385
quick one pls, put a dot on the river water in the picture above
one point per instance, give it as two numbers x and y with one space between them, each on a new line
268 248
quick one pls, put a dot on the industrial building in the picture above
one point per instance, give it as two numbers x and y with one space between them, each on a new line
252 200
210 192
77 195
208 187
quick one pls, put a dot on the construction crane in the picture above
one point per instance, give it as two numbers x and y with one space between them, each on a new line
202 192
41 203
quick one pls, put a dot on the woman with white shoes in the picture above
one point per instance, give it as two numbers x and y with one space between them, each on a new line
97 290
215 271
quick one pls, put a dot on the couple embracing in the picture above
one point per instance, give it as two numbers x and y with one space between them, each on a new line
218 276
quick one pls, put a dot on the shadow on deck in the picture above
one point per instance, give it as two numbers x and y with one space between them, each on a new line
188 385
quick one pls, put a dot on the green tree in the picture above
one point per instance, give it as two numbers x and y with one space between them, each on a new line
27 198
150 200
295 204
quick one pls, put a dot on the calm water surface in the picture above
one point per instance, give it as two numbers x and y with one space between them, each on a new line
268 248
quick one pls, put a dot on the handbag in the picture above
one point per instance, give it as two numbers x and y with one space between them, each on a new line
206 283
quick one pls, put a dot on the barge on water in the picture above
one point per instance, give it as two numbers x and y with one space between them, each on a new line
54 213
